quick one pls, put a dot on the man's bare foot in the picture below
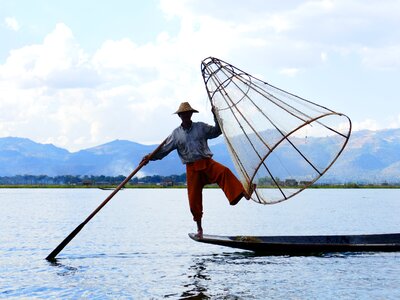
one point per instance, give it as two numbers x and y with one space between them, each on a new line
246 194
199 229
199 234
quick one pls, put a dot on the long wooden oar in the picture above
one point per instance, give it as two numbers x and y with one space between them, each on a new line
54 253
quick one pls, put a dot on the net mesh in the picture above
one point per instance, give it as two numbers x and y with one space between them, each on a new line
277 140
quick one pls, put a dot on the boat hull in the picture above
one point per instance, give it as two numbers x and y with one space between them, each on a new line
312 244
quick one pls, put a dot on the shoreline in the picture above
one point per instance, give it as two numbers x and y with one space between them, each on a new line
150 186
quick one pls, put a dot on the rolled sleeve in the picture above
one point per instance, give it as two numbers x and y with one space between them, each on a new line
167 148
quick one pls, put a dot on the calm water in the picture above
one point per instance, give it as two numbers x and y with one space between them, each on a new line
137 246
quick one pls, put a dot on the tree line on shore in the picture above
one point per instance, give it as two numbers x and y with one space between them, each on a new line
89 180
153 180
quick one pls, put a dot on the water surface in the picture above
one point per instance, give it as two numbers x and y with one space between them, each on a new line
137 246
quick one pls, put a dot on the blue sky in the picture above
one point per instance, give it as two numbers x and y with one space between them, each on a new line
81 73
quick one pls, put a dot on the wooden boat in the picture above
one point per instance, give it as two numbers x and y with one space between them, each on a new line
302 245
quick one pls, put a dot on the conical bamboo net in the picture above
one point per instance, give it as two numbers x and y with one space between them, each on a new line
277 140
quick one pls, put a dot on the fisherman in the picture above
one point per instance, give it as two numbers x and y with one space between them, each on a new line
190 140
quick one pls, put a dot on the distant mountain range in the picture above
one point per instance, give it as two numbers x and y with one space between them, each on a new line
370 157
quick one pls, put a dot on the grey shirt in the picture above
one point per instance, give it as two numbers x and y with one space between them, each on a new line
191 143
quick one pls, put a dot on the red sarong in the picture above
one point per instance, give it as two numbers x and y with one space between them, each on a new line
207 171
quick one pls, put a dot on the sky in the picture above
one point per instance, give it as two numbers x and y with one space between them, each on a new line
78 74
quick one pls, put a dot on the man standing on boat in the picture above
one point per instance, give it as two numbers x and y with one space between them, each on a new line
190 140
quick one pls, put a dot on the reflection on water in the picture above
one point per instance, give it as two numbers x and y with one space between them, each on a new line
63 270
206 270
197 289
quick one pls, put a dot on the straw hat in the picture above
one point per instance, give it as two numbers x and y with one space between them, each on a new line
184 107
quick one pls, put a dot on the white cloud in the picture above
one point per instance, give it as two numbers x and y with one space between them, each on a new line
55 92
46 91
383 58
324 56
291 72
395 123
367 124
12 23
58 60
291 33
